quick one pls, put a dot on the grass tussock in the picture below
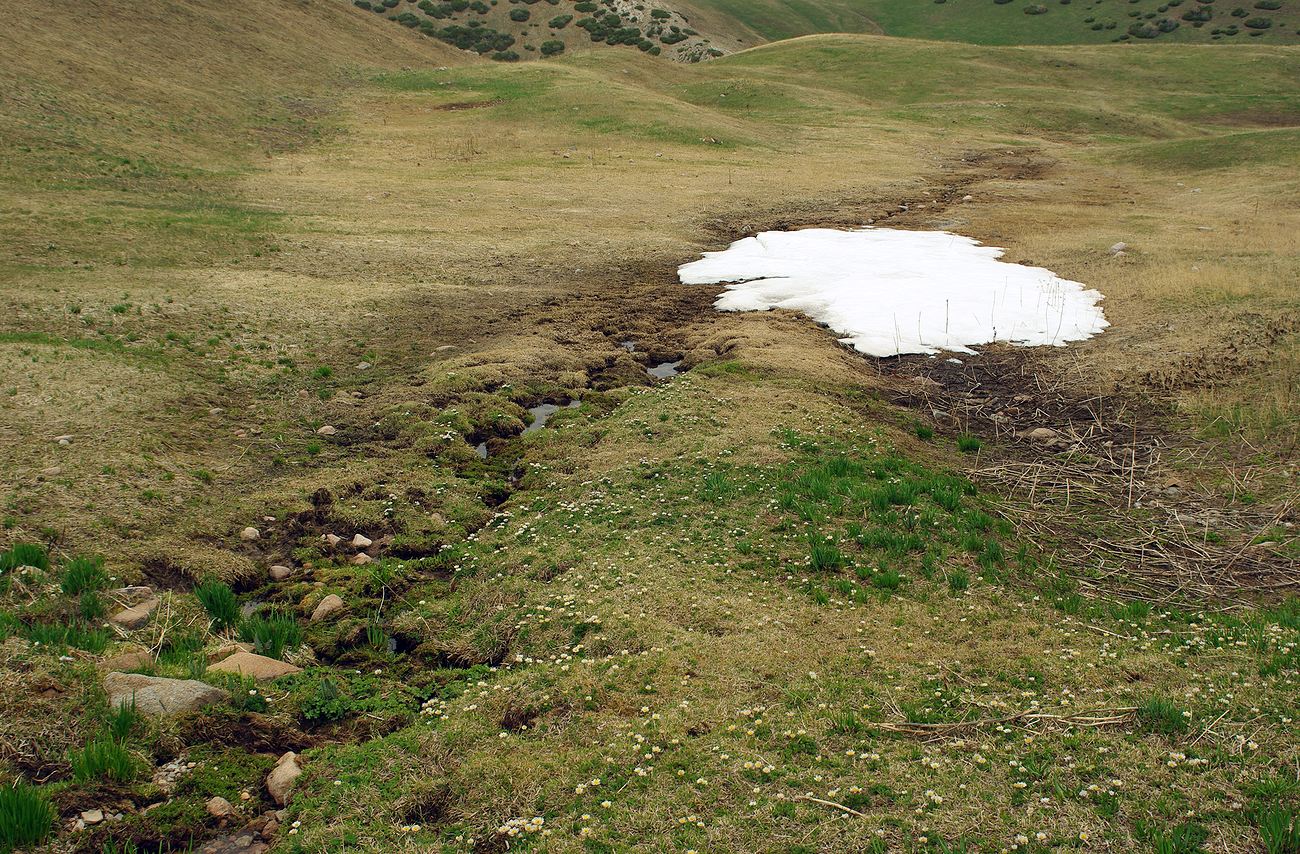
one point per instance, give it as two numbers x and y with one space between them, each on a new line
26 816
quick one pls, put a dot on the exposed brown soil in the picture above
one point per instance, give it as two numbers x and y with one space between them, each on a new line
1258 118
1100 483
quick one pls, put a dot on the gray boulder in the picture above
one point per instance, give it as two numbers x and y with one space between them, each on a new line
158 696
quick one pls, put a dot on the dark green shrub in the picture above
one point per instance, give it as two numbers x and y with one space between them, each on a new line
520 15
1258 23
968 444
26 816
559 22
1269 5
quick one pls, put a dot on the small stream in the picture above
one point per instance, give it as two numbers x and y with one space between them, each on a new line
542 412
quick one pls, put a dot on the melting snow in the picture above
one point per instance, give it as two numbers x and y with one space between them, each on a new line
889 291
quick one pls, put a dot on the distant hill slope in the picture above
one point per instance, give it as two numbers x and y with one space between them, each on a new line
997 22
531 29
694 30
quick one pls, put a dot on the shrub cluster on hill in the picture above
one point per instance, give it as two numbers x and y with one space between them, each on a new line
647 29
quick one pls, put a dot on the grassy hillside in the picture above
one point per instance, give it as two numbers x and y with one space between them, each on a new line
129 122
791 599
1011 22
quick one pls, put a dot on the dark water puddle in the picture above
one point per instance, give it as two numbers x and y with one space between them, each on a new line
664 370
543 412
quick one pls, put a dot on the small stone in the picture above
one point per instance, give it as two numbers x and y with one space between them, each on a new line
125 661
361 541
280 572
327 606
283 777
327 430
1042 434
219 807
131 595
968 198
252 665
65 439
135 617
249 534
226 650
361 559
1118 249
364 366
332 539
92 816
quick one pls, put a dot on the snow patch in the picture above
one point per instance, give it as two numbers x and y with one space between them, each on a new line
888 291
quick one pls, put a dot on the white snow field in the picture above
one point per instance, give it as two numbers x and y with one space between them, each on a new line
888 291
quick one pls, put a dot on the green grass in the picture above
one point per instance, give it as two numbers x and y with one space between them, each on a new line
270 634
1279 829
60 636
122 721
103 759
24 554
220 602
976 21
83 575
1161 715
26 816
